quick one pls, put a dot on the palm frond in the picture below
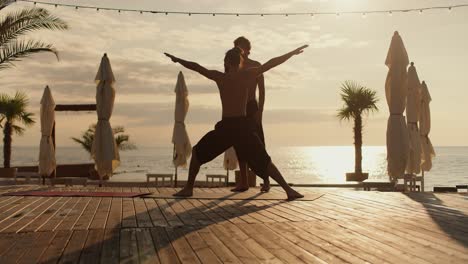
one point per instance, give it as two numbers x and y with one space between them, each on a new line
84 143
118 129
5 3
24 21
357 99
13 109
17 130
16 50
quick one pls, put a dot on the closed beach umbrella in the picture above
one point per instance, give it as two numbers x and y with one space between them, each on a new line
396 92
47 161
180 139
104 150
425 127
230 161
413 108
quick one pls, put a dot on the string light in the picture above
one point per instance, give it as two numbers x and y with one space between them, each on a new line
337 14
363 15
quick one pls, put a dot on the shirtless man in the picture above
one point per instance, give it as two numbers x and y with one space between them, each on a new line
254 112
233 129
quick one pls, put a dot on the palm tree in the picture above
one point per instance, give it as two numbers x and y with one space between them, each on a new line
19 23
12 112
122 140
357 100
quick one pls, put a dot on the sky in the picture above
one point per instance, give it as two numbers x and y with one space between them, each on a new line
302 95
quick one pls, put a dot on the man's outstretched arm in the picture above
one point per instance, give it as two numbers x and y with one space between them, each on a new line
210 74
278 60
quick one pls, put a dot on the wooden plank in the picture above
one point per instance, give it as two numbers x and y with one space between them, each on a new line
303 241
84 220
163 246
72 251
75 107
45 216
181 246
60 215
55 249
128 213
155 213
15 208
278 246
260 252
111 246
92 248
128 246
70 220
23 243
40 244
180 212
100 218
168 213
115 215
26 216
146 249
203 251
235 246
222 252
141 213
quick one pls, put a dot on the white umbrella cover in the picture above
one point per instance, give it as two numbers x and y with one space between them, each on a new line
104 150
425 127
182 146
47 161
395 92
413 107
230 159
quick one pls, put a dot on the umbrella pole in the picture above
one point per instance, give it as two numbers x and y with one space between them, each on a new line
175 174
422 181
227 177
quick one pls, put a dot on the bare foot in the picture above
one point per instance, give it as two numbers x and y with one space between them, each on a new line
240 189
265 186
185 192
293 195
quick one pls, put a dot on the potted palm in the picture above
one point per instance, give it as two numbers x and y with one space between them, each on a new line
358 100
87 138
12 114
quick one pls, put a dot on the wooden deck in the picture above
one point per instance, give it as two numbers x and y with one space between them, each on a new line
337 226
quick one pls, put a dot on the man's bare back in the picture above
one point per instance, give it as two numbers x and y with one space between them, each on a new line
234 89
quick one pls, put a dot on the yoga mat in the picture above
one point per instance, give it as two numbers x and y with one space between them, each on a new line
76 194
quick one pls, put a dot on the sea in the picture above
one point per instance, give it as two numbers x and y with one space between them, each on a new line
298 164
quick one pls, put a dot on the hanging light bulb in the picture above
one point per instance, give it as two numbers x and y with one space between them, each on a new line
312 15
450 9
420 11
364 15
337 15
390 13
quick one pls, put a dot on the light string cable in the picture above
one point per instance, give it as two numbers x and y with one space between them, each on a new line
167 12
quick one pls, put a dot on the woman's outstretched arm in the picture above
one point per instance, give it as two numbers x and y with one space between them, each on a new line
210 74
278 60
